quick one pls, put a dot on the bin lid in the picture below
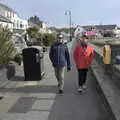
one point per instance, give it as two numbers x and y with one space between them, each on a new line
40 48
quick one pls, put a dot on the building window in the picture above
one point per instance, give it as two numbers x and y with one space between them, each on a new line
21 25
26 26
7 14
13 14
17 24
14 24
10 14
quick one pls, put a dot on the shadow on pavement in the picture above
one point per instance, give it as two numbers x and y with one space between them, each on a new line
17 78
31 89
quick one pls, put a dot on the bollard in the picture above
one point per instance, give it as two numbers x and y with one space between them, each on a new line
10 70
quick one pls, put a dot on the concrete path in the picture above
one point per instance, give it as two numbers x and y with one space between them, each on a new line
72 105
38 100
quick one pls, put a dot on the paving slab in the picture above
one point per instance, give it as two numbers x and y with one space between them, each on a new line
37 115
22 105
6 103
43 105
43 95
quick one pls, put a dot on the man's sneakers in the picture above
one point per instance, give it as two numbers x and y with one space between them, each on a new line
58 85
60 91
80 89
84 87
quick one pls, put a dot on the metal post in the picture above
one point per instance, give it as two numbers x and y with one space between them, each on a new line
70 24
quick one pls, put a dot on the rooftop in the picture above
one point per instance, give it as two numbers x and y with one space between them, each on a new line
100 27
6 7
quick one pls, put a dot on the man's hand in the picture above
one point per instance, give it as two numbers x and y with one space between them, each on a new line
68 69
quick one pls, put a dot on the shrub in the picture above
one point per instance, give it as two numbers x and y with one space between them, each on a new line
109 34
42 39
6 45
33 31
18 58
48 39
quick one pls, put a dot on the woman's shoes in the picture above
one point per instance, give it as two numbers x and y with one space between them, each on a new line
84 87
60 92
80 89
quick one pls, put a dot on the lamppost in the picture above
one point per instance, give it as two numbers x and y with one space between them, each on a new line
68 12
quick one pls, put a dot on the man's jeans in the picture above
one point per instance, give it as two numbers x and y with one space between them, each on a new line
59 73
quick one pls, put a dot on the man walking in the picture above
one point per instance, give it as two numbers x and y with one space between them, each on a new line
60 57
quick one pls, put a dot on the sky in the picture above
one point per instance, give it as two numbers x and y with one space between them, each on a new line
84 12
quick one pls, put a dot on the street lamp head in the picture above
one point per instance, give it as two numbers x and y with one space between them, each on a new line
67 11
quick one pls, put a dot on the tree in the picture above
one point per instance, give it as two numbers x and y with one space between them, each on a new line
109 34
35 20
6 45
48 39
64 29
33 31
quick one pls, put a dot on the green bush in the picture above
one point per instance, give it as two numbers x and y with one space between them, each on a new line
18 58
43 39
33 31
48 39
6 45
34 43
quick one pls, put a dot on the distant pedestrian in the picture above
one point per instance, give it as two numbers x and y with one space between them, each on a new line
83 57
60 58
107 58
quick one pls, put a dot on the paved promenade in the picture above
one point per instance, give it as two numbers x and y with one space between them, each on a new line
38 100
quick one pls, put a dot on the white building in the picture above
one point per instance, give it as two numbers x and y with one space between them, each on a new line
6 22
78 32
44 28
117 31
11 15
19 23
10 18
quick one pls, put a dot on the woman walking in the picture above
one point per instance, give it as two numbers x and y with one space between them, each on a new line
83 57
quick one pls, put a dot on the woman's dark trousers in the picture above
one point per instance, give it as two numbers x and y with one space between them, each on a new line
82 76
